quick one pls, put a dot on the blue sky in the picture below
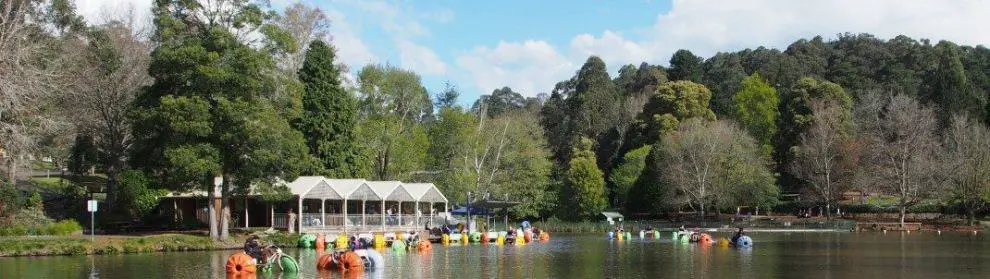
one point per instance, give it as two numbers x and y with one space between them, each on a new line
452 29
531 45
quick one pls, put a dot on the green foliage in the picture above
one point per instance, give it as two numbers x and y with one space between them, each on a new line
393 105
10 202
625 174
671 103
524 173
756 108
499 102
684 65
796 115
593 106
330 116
83 155
948 85
60 228
451 139
272 192
586 183
136 194
710 165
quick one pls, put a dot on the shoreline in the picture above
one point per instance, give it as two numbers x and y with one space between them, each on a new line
31 246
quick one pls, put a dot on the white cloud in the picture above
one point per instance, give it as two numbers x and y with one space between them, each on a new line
707 27
99 11
350 48
420 58
612 46
530 67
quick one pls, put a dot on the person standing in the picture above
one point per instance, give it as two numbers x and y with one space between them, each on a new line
292 221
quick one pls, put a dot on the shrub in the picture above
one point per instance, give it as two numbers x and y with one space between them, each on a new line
64 227
281 239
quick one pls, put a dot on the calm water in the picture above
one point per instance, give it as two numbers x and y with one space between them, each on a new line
775 255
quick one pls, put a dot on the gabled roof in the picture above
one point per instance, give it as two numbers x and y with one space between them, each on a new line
324 191
400 193
303 184
345 187
612 214
424 192
375 190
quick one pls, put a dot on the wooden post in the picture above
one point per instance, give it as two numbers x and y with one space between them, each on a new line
300 218
345 215
245 212
382 213
323 213
364 207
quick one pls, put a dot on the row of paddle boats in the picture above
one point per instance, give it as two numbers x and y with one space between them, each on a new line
743 241
358 253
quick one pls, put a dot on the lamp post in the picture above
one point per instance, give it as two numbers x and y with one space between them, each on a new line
467 222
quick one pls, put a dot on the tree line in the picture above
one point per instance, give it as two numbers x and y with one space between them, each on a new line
254 96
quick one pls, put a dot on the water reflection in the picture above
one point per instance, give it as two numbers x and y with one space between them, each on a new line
797 255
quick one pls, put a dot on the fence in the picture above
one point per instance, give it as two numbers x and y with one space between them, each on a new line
358 221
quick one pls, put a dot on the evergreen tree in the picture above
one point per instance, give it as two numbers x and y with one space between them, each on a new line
207 115
756 108
585 182
684 65
330 116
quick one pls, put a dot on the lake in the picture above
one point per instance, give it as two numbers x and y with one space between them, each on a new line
774 255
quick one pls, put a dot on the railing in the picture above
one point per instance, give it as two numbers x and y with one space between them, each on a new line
358 221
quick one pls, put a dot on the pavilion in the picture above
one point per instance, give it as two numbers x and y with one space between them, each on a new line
325 204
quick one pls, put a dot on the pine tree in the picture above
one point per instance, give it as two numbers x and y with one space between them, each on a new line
330 114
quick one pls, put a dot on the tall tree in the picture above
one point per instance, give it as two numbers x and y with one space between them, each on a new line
447 98
206 114
305 24
968 157
585 182
393 105
795 116
594 104
452 136
684 65
714 164
106 76
724 74
949 87
818 159
756 108
330 116
31 59
501 101
671 103
626 173
902 157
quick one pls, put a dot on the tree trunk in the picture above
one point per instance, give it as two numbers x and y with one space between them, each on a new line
903 212
225 220
113 180
212 211
225 208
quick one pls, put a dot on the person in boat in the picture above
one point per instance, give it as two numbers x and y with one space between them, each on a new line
252 247
735 238
695 235
536 231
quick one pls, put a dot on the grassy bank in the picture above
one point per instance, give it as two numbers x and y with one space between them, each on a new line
80 245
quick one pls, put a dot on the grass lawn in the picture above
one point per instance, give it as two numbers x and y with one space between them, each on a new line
111 244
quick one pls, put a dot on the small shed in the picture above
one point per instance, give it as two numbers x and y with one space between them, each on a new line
612 217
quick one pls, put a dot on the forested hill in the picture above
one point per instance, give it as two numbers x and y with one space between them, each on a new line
768 91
